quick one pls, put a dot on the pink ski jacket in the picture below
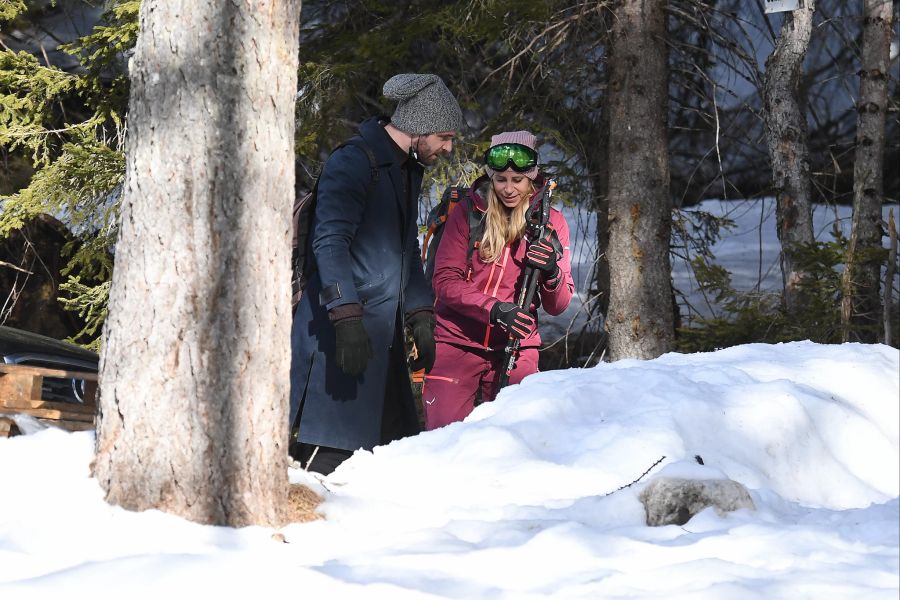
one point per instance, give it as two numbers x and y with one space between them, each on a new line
463 299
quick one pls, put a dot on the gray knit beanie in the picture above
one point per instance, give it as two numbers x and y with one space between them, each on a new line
525 138
425 104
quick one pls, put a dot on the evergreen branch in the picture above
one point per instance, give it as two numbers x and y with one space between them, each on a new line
9 9
90 303
18 134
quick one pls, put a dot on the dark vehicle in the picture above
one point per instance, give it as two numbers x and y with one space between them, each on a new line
19 347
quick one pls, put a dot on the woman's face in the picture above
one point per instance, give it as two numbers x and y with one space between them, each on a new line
511 188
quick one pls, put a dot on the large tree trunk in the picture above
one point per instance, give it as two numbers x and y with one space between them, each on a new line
598 165
196 354
861 304
887 304
639 322
788 151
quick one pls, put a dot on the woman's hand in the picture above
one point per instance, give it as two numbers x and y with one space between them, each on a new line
512 319
542 254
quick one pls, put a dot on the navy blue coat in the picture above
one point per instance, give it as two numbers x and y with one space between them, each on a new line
364 241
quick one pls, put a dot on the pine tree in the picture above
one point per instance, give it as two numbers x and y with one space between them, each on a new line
195 369
641 319
70 127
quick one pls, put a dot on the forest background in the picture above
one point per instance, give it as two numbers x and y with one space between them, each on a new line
544 66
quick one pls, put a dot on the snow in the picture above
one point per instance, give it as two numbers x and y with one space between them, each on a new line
529 497
536 495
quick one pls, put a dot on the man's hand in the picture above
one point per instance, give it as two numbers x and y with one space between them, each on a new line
353 348
421 326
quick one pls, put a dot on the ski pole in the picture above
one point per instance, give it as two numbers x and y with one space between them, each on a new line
537 224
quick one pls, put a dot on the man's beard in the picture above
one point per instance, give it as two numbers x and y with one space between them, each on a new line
424 158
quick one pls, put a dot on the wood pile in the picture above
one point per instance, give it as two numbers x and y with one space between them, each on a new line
20 393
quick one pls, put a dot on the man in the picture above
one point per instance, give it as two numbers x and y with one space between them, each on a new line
350 386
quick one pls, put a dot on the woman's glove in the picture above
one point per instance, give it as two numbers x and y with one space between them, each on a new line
543 254
512 319
353 349
421 326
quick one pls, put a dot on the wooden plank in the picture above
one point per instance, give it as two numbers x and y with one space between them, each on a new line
50 405
17 387
20 392
20 387
46 413
8 428
44 372
68 425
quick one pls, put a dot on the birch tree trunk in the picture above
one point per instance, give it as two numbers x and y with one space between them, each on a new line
640 318
861 303
196 353
785 117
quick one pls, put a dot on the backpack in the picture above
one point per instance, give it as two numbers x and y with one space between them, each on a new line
438 216
304 211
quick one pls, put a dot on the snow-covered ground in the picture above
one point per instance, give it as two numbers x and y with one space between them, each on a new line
527 498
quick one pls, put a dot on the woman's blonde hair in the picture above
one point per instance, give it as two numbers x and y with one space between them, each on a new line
501 225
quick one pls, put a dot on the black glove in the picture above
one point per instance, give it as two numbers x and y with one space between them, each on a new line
421 326
543 254
512 319
353 349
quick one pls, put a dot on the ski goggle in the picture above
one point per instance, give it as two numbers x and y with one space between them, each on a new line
517 157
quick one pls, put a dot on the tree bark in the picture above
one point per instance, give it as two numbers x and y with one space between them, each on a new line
888 301
598 164
786 137
861 302
195 363
640 319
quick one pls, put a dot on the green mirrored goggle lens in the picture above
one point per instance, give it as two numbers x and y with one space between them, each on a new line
515 156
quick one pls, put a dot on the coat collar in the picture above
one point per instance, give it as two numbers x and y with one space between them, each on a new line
385 150
403 173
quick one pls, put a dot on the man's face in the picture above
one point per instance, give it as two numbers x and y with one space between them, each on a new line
434 145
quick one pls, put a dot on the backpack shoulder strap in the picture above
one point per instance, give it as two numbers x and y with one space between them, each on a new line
359 142
476 229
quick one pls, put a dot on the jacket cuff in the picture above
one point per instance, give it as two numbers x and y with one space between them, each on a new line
345 311
552 283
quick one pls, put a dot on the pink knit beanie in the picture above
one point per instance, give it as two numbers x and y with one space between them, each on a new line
526 138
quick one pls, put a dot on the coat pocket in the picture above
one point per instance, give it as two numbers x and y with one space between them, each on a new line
371 289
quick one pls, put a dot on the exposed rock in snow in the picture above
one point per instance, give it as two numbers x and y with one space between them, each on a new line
673 501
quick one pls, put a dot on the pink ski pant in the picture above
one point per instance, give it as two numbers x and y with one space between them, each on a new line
449 392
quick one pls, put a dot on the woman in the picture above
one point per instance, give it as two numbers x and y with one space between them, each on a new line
475 291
